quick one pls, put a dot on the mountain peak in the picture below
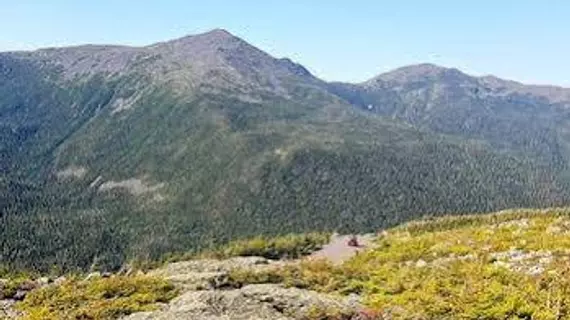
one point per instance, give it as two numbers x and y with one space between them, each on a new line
422 67
416 72
218 33
215 37
219 58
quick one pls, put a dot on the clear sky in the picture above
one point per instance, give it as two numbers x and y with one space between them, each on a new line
345 40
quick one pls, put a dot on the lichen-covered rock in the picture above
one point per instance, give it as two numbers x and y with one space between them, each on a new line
264 301
531 263
59 280
209 273
28 285
199 280
7 311
43 281
210 265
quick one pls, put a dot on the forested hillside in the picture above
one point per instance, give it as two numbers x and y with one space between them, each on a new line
117 153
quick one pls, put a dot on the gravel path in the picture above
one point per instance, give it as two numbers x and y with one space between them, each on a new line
337 251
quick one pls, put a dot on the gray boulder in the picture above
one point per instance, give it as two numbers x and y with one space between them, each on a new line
260 302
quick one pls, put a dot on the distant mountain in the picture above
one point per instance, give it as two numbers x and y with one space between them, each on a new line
506 114
112 153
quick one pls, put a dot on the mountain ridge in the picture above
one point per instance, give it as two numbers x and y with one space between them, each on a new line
221 34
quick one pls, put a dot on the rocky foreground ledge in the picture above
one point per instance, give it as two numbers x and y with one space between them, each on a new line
206 289
208 294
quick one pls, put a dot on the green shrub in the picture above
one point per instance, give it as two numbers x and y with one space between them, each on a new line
290 246
238 278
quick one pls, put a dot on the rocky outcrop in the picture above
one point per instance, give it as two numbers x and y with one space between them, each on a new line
7 311
262 301
210 273
208 296
531 263
208 291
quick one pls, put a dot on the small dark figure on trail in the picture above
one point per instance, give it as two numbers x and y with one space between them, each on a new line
353 241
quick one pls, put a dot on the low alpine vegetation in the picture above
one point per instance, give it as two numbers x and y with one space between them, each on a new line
97 299
291 246
509 265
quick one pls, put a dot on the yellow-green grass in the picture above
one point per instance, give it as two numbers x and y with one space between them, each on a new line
97 299
449 268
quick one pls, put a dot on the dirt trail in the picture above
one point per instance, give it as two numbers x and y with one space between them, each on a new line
338 251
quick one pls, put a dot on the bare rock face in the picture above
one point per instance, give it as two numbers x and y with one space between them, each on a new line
265 301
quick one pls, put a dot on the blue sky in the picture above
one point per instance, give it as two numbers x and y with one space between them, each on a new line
348 40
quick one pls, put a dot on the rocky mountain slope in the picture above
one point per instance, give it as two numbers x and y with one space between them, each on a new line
192 142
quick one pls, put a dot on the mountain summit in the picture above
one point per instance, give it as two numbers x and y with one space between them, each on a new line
427 72
413 73
188 143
